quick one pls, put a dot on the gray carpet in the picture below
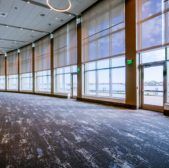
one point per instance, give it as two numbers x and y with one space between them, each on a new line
44 132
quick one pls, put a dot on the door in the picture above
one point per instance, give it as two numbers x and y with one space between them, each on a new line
153 87
74 85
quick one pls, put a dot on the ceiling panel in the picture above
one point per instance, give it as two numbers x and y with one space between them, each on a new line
22 15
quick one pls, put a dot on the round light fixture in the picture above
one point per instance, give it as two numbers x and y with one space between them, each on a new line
59 10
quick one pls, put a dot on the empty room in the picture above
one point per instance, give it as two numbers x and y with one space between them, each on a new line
84 83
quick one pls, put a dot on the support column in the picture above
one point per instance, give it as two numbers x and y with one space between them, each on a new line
18 71
131 68
52 64
33 68
79 58
5 72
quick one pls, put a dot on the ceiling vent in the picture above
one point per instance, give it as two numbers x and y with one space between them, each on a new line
3 14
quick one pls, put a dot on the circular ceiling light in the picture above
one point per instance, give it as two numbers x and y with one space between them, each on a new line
59 10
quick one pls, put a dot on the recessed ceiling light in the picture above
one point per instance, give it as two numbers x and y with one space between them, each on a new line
42 14
2 14
59 10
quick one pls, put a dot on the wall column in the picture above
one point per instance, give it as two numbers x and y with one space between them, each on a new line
52 64
33 68
18 70
79 58
131 70
5 72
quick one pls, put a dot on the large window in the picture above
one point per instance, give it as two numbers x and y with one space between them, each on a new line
26 69
2 72
63 79
101 78
42 66
12 71
152 23
153 38
65 57
103 41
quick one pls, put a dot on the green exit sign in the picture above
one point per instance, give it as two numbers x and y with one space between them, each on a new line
130 62
78 69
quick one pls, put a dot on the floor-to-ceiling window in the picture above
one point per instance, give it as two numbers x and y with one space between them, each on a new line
12 71
42 66
25 61
65 58
2 72
152 41
103 43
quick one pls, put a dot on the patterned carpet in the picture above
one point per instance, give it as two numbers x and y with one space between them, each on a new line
45 132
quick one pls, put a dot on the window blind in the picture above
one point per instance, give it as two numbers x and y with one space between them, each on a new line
65 45
25 60
153 23
2 65
42 54
103 30
12 63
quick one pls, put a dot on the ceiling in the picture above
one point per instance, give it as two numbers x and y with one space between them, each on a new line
22 23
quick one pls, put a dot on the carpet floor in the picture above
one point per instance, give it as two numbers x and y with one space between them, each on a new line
46 132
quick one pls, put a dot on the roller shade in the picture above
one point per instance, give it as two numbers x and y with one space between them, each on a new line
103 30
25 60
42 55
153 24
12 63
65 45
2 65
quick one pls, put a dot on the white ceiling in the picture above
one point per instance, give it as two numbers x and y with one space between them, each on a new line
21 14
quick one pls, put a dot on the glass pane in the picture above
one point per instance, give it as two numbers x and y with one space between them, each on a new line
2 82
151 32
67 83
90 66
74 85
12 82
150 7
118 83
153 85
117 12
103 64
118 61
67 69
92 50
59 83
74 68
167 27
26 81
60 70
103 45
43 81
153 56
103 82
167 82
90 83
118 43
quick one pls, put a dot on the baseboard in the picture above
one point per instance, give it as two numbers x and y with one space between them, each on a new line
166 112
107 103
36 93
